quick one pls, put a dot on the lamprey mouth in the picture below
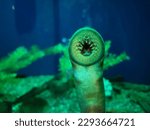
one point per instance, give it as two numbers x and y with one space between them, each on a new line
86 46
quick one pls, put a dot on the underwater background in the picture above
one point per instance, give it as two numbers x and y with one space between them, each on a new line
47 22
123 24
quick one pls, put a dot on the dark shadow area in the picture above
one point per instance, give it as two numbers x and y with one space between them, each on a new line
25 15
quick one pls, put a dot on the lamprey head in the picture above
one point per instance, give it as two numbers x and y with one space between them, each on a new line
86 47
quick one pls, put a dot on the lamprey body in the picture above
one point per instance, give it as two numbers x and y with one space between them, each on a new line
86 50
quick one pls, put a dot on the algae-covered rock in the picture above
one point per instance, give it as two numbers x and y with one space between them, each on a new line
56 93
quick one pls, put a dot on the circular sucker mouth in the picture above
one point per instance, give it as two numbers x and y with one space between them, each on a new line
86 46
